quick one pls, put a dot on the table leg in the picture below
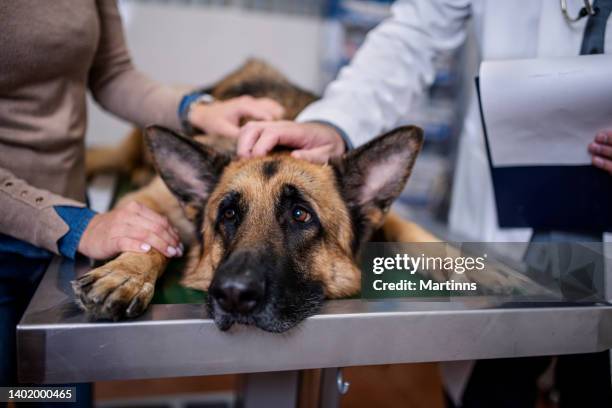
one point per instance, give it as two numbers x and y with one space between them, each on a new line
273 389
333 387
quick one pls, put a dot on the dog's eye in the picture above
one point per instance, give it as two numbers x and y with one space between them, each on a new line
229 214
300 214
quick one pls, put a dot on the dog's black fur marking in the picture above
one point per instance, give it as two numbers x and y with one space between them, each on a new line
198 221
228 228
270 168
289 296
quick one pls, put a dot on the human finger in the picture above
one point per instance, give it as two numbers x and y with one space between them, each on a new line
148 237
602 163
284 135
158 219
600 150
319 154
249 134
157 229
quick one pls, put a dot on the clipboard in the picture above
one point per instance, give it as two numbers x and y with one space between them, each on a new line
552 197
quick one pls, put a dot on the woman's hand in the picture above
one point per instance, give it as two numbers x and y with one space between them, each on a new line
601 149
130 228
224 117
315 142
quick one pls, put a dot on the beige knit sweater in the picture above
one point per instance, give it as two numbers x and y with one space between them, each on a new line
51 54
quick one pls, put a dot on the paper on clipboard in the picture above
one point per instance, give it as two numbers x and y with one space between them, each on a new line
545 111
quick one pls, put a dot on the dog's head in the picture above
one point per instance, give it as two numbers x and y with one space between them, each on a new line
276 235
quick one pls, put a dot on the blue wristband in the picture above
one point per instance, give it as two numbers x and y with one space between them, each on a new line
186 101
185 107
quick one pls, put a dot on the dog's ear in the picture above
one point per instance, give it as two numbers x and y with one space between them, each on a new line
189 169
373 175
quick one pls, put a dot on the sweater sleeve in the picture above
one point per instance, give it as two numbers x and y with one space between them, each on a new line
28 213
119 87
78 219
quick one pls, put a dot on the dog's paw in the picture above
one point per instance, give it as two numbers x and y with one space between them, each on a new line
113 291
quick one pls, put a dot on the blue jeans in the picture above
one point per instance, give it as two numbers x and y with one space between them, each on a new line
19 277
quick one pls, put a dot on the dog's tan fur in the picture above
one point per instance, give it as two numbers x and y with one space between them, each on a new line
124 286
130 158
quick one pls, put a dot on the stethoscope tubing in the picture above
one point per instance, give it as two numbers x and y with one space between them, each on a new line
587 10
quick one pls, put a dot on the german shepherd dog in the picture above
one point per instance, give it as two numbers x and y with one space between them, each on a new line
271 237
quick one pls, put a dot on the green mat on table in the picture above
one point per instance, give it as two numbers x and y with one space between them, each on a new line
168 289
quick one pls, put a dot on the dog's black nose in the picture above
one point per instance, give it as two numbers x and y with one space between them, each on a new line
239 294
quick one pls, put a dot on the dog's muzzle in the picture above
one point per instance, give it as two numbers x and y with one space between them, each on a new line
238 289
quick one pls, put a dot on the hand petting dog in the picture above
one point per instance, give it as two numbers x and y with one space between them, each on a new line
315 142
224 117
601 150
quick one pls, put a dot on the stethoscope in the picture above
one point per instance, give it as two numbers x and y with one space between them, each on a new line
587 10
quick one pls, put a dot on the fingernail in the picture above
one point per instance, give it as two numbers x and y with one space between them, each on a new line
594 148
145 247
171 251
181 247
598 161
601 137
179 252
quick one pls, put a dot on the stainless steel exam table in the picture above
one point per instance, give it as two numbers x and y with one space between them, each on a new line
57 344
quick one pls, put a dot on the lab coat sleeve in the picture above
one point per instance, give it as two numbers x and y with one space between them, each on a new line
392 68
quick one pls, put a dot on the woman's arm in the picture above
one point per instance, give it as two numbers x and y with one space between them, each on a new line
34 217
121 89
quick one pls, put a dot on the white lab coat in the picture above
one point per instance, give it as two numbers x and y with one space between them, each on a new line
394 66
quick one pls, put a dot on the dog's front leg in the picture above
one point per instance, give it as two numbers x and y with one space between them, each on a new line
122 287
396 229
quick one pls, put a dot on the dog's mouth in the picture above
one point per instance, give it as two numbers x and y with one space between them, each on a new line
257 289
225 321
272 316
